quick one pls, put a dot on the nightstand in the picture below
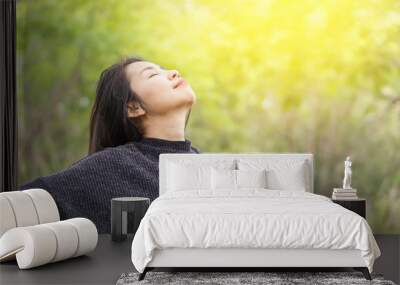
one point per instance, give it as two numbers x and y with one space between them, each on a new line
121 207
358 206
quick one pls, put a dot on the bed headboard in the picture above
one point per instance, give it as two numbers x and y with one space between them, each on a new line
165 158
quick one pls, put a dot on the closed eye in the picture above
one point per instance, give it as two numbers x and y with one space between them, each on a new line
153 75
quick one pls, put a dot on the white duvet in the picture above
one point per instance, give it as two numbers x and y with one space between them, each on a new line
251 218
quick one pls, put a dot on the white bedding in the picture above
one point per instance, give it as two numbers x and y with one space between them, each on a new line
250 218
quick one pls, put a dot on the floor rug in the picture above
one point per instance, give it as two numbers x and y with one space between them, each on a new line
230 278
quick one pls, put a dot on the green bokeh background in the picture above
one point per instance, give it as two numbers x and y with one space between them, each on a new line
270 76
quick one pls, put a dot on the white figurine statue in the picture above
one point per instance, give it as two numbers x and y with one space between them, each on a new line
347 174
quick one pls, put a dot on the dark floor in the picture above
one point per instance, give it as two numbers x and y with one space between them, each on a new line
389 262
102 266
110 260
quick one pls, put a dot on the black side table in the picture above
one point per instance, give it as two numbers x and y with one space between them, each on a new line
358 206
120 208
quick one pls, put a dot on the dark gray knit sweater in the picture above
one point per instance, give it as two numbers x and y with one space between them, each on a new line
85 188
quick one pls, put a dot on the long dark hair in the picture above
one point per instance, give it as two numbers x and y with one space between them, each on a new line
109 122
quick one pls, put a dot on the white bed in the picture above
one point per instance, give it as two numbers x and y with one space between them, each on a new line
280 225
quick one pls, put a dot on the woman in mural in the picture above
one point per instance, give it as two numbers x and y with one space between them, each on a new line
140 111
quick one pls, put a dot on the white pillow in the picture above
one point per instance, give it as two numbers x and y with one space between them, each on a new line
293 179
282 174
223 179
251 178
221 163
230 179
181 177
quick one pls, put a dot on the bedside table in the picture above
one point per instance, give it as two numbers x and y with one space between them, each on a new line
358 206
121 207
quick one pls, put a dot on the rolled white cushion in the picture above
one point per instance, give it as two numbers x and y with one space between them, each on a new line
26 208
32 245
23 208
45 205
67 240
44 243
7 218
87 233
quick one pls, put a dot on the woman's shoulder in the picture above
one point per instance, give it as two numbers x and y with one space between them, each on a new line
33 183
97 163
106 155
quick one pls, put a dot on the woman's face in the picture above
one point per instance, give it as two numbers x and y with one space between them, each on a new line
161 90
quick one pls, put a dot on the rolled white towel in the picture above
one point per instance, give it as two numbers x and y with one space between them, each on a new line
45 243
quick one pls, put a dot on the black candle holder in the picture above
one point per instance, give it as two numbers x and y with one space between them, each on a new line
120 208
